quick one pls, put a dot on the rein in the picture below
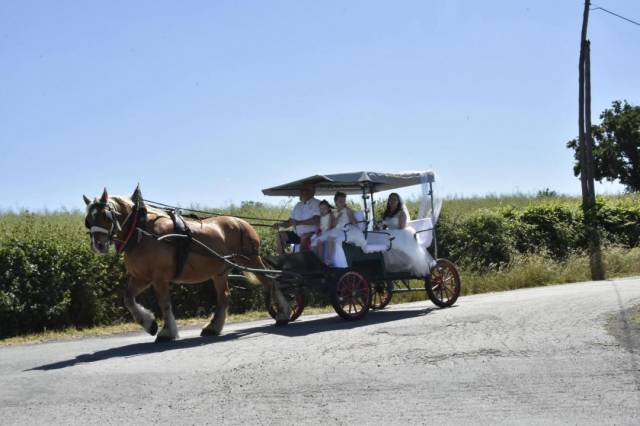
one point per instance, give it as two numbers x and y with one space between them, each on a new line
163 206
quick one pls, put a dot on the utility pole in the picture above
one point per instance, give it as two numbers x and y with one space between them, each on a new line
587 178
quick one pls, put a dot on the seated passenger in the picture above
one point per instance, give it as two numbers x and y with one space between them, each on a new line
304 218
406 255
336 235
396 214
343 214
324 241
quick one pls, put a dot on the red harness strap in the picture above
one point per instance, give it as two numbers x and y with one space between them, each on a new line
120 246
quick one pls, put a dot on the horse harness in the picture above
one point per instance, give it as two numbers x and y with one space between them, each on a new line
135 223
182 245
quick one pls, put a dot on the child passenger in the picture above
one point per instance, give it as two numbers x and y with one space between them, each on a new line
325 242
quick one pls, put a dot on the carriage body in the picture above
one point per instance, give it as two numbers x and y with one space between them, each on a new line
363 281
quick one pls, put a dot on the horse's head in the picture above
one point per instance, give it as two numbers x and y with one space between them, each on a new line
102 221
107 216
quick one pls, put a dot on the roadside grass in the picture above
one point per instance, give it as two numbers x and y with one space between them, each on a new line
538 270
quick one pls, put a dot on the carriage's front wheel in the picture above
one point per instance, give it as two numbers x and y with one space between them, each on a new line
296 305
443 285
351 297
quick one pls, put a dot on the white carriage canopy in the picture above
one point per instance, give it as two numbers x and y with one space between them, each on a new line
352 182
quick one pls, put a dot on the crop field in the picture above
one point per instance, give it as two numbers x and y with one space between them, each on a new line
50 279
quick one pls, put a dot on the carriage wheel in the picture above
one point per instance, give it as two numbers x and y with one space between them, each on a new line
443 286
352 296
296 305
381 294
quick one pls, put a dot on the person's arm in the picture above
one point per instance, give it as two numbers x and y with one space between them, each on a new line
332 221
402 219
315 220
289 222
284 223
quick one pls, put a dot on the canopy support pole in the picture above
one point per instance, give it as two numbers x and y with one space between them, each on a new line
373 210
433 222
366 206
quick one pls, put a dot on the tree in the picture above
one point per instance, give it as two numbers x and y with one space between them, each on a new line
616 149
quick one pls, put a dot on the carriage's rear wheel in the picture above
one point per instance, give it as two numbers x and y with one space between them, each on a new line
351 297
381 294
296 304
443 286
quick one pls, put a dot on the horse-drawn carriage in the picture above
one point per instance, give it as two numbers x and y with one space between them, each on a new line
161 247
362 279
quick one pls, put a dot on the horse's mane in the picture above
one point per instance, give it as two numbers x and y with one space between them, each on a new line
126 201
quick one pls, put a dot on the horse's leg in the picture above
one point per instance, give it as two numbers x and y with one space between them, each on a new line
142 316
271 289
163 295
214 327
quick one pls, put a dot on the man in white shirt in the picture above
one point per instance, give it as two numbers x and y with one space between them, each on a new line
305 219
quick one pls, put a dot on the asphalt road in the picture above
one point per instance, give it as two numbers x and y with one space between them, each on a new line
553 355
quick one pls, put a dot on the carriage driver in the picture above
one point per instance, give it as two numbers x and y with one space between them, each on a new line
305 219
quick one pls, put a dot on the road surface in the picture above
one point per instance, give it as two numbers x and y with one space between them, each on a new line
552 355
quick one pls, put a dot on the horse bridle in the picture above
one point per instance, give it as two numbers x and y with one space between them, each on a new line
111 214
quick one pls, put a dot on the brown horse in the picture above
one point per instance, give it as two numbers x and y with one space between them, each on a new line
135 228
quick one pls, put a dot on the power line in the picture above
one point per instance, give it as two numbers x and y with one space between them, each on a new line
615 14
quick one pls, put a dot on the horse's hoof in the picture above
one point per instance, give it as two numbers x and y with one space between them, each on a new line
207 332
281 322
163 339
153 328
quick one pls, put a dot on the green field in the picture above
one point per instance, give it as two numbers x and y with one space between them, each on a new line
50 279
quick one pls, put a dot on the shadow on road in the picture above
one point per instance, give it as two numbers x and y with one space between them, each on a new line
295 329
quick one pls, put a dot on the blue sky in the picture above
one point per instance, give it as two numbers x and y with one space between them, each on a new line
207 102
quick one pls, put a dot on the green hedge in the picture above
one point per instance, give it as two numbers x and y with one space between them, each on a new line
488 239
50 279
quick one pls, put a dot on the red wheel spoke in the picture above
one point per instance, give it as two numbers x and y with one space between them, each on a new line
353 296
444 286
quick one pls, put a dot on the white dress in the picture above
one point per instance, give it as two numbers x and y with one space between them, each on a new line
406 255
325 224
353 236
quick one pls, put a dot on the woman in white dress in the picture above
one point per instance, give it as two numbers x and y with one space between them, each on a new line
396 214
405 254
